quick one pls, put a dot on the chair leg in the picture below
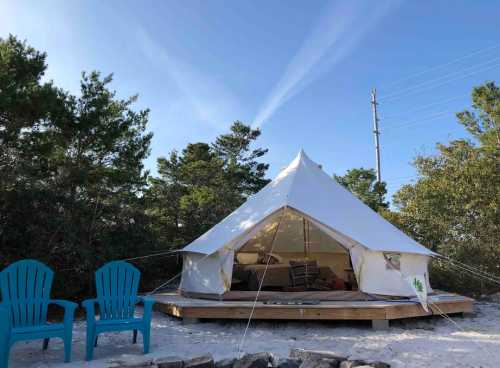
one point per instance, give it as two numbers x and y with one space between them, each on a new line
45 344
134 340
145 338
4 356
5 337
68 337
91 340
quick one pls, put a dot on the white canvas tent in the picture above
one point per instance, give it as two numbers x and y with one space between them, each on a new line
339 221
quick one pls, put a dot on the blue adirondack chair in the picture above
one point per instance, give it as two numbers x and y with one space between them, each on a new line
117 284
25 287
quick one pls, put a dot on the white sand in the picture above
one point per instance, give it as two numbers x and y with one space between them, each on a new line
431 342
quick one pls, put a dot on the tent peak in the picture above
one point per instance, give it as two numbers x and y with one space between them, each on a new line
302 155
304 158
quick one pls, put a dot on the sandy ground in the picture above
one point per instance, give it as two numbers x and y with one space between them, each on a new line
433 342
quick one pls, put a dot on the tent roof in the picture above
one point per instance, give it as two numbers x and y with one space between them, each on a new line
305 187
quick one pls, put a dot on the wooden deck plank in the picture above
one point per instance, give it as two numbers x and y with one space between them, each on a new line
178 306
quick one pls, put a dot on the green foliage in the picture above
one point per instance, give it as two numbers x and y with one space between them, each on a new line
244 172
454 207
363 184
203 184
72 172
73 190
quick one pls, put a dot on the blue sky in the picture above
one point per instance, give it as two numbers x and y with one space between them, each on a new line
301 70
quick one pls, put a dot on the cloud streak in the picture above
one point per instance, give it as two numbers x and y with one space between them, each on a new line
210 101
336 34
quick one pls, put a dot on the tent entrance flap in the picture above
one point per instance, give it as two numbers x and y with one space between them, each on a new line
298 233
301 257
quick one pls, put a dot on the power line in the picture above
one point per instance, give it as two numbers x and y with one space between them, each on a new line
440 66
424 107
430 84
420 121
407 177
397 185
443 77
434 114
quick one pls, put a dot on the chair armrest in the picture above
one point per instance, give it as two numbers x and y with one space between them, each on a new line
148 306
89 303
69 309
89 306
146 300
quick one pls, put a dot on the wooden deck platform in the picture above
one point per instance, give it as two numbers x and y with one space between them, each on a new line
379 312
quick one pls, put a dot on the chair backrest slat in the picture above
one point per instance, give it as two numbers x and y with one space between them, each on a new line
22 270
114 295
106 297
120 294
127 290
25 286
46 295
134 286
30 288
117 284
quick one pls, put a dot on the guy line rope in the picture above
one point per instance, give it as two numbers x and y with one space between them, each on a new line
243 337
176 276
446 316
473 271
151 255
449 319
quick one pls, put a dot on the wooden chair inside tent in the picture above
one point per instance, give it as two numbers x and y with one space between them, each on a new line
303 273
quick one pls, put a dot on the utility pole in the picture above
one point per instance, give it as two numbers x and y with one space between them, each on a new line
376 133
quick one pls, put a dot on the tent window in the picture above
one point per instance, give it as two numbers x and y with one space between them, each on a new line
392 261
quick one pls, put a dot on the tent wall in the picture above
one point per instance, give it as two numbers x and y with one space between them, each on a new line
375 277
212 274
207 274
